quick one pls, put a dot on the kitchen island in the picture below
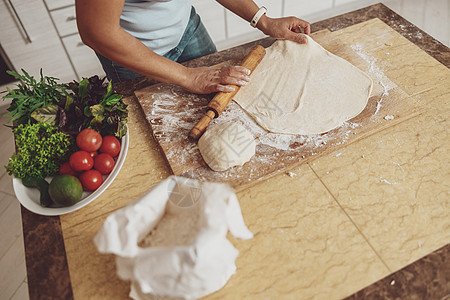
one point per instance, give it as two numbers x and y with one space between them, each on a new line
369 220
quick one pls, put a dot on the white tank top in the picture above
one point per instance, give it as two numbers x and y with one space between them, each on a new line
159 24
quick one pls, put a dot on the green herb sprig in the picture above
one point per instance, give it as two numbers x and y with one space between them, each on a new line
31 95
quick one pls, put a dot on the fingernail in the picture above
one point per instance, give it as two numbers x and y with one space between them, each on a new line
242 82
247 71
247 78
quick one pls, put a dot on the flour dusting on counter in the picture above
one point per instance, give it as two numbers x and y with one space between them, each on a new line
375 71
172 112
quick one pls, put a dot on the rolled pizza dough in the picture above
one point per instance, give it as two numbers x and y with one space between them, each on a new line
304 89
226 145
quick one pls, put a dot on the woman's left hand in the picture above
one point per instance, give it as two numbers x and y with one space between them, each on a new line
289 28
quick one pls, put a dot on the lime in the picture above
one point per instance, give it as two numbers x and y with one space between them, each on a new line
65 190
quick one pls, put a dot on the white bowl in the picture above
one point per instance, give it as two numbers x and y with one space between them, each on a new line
29 197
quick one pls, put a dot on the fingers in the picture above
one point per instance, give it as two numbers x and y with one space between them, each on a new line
225 79
236 72
301 26
235 75
228 77
224 88
297 37
242 70
306 26
297 29
206 80
290 28
308 29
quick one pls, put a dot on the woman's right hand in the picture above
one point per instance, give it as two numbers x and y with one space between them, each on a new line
207 80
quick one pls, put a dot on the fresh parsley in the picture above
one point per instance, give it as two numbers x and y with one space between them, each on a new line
41 150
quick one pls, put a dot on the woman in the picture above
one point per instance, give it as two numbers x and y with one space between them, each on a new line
151 38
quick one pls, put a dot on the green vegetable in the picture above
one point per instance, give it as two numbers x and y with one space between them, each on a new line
31 95
65 190
95 105
46 114
72 107
42 185
40 151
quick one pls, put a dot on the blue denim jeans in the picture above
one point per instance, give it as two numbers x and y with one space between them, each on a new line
194 43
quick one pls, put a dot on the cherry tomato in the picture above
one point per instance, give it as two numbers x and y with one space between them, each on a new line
65 169
104 163
110 145
93 154
91 180
89 140
81 161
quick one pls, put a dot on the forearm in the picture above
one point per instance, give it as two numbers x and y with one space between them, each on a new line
245 9
127 51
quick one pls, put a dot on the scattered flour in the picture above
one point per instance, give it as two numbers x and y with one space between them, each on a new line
398 165
291 174
279 141
410 31
283 141
375 71
387 182
171 125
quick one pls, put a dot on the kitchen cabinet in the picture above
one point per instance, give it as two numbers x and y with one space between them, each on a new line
43 34
84 60
65 20
30 40
55 4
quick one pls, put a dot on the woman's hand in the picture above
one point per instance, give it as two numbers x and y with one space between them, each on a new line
208 80
288 28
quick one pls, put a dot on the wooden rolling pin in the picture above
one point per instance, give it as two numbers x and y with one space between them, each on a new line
220 101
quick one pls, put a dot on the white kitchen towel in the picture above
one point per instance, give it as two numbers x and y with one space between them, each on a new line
171 241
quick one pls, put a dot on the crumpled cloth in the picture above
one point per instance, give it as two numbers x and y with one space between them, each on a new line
186 271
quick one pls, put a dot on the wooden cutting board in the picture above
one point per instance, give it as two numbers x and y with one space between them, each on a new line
172 111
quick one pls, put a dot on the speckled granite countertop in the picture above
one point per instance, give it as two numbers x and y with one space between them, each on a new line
53 274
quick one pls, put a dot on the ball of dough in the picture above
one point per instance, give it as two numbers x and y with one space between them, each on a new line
226 145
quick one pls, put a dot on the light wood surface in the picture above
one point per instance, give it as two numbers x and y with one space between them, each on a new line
170 110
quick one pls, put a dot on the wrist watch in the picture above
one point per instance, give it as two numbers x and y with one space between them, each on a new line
258 16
